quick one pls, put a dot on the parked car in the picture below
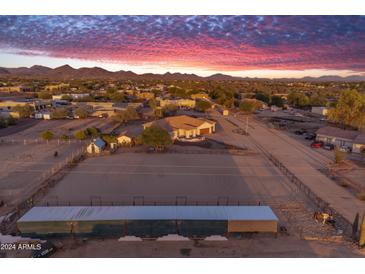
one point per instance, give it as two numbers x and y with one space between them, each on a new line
317 144
300 132
328 147
310 136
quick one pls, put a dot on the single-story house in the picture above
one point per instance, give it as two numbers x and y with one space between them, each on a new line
147 113
96 146
200 95
359 144
184 126
352 139
320 110
128 135
181 103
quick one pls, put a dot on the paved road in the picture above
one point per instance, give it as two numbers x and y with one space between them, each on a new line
304 163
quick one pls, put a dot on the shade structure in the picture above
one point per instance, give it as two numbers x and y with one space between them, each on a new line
148 221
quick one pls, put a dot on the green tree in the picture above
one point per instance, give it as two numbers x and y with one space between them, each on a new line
124 116
152 103
109 138
59 113
317 100
23 111
3 123
158 112
349 110
92 131
169 110
11 121
277 101
202 106
248 106
44 95
156 137
81 112
298 99
80 135
47 135
116 97
66 97
262 97
64 137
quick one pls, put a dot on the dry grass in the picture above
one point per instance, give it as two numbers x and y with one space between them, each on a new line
361 196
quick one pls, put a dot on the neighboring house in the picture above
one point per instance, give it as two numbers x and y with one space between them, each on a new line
15 89
96 146
79 95
99 109
56 87
57 97
187 103
225 112
320 110
145 95
4 114
359 144
35 104
44 115
147 113
129 134
200 95
351 139
184 126
60 103
136 106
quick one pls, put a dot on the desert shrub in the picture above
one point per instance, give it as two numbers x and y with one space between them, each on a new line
47 135
361 196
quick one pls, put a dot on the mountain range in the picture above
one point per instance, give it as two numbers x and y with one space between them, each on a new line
67 72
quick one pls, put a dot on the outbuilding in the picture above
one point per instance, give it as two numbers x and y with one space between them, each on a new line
148 221
96 146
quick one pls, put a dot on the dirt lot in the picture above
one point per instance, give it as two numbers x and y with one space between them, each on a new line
201 178
23 164
160 178
251 246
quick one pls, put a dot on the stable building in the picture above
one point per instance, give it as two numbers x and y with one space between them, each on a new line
184 126
147 221
96 146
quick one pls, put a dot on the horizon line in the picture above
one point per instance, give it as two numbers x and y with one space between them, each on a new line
187 73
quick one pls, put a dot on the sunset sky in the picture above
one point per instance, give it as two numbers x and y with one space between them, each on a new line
254 46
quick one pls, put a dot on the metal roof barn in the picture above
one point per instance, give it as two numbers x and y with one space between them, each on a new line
147 221
95 213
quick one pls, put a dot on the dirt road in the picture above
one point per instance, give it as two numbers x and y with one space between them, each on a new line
304 163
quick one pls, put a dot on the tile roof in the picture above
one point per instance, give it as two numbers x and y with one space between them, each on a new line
180 122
